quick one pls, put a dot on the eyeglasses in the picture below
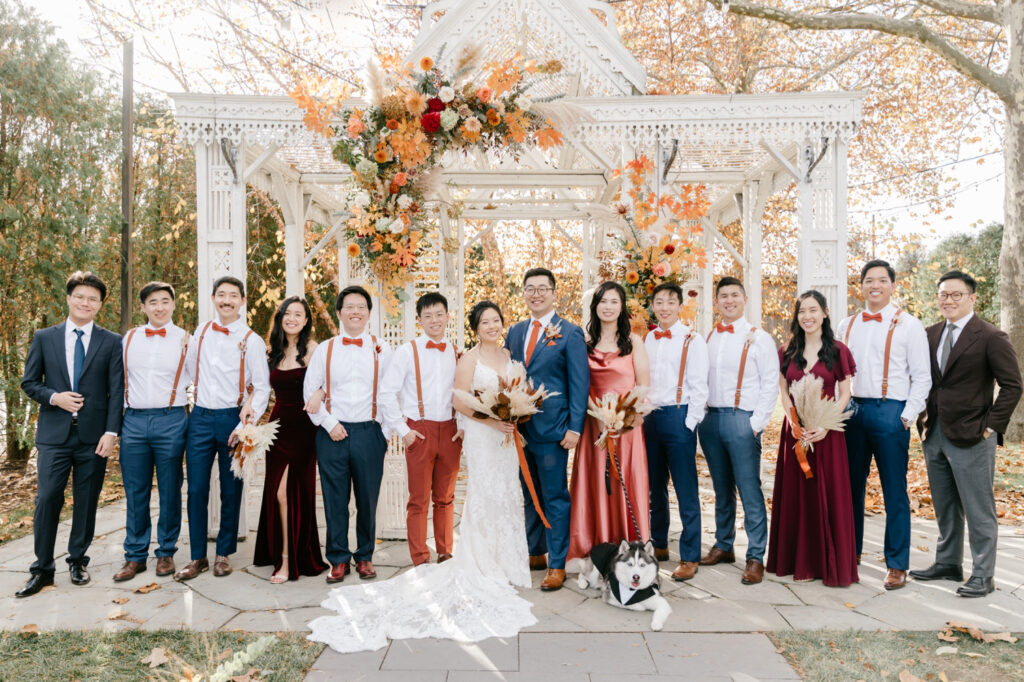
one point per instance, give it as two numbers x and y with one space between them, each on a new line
955 296
79 298
353 308
543 291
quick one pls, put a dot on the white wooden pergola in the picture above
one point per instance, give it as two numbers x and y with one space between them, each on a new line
745 148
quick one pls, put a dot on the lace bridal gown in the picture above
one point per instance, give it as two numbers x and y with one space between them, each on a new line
468 598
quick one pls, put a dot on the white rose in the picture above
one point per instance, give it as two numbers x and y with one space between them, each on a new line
404 201
397 226
446 94
362 199
382 224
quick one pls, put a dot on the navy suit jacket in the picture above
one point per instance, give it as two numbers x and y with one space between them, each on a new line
101 384
561 365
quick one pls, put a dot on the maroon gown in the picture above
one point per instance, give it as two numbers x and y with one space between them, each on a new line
812 518
293 450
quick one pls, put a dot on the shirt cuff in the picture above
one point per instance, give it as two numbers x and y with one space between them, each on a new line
909 415
756 425
403 429
329 423
110 433
691 422
52 396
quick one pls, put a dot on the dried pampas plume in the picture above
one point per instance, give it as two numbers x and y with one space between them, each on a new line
374 83
564 116
467 61
430 183
816 410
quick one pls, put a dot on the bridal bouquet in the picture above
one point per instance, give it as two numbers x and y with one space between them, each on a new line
812 409
514 401
618 413
253 443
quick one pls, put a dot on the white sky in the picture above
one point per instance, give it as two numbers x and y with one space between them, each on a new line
981 202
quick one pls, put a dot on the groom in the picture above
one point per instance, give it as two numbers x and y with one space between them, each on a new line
555 355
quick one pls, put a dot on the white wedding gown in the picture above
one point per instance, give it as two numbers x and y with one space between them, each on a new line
468 598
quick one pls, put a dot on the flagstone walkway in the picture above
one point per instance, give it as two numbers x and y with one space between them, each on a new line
715 630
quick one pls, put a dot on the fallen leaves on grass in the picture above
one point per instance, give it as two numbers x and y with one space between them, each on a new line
156 657
974 631
907 676
146 589
30 629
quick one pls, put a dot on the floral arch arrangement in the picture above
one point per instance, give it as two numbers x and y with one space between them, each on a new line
660 241
414 116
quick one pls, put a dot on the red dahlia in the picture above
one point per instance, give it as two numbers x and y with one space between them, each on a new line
435 104
431 122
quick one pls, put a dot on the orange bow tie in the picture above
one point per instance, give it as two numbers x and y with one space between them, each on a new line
659 334
223 330
869 317
437 346
156 332
724 328
345 341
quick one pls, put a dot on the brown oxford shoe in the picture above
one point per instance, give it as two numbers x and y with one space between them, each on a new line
895 579
684 571
129 570
753 573
441 558
538 562
338 572
661 553
221 567
164 566
718 556
858 559
365 570
553 580
192 569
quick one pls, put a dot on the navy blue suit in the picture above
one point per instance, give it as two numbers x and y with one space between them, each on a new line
65 444
561 365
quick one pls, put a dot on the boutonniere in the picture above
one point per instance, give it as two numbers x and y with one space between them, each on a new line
377 349
242 345
551 332
184 341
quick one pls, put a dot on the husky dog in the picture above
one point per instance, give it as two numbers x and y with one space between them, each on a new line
628 577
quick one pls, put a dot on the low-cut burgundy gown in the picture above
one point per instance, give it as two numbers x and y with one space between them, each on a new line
598 516
812 518
293 450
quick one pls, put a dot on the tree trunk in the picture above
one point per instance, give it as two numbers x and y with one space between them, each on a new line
16 452
1011 256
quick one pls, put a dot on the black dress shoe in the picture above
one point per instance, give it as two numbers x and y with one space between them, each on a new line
37 582
79 576
940 572
977 587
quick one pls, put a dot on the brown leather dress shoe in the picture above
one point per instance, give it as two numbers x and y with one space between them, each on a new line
338 573
553 580
164 566
858 559
129 570
661 553
684 571
895 579
441 558
538 562
221 567
718 556
365 570
192 569
753 573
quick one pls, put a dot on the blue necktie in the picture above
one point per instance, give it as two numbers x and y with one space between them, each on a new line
79 359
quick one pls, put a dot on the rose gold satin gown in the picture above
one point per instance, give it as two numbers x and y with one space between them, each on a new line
597 514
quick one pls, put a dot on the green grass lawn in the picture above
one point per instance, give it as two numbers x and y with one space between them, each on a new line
885 655
116 657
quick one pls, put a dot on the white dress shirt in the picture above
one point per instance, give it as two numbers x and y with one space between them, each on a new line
544 322
665 355
958 328
151 363
437 381
910 374
352 384
760 389
219 362
69 345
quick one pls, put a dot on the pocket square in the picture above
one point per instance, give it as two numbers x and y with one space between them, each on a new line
551 343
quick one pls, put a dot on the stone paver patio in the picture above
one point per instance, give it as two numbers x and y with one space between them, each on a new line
715 630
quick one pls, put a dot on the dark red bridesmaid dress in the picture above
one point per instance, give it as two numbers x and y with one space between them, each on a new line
294 450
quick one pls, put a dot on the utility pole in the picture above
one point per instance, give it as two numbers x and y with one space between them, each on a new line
126 189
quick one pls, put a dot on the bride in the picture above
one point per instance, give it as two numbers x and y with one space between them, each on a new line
471 597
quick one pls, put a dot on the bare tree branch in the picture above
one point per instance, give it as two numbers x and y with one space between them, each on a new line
966 10
907 28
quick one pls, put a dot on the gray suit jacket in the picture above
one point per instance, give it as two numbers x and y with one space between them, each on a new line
101 384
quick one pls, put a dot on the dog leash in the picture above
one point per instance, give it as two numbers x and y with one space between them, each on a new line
610 450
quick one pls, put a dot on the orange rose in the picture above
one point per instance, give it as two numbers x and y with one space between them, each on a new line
400 179
426 64
353 250
394 188
391 124
381 156
632 277
493 117
484 95
355 126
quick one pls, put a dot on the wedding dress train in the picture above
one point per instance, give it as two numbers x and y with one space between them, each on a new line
468 598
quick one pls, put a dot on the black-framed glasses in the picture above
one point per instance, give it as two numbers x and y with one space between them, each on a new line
543 291
955 296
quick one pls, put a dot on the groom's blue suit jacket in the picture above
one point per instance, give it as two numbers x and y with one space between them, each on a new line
561 365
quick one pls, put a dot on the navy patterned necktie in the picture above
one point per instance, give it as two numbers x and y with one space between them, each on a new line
79 359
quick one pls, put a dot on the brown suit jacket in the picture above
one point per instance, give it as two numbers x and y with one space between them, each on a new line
961 398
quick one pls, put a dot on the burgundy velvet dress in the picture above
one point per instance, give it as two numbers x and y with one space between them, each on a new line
293 450
599 516
812 518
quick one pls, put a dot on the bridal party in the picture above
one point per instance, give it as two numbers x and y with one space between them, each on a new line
541 492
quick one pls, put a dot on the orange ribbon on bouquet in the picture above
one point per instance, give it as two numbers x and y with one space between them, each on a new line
525 468
801 451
